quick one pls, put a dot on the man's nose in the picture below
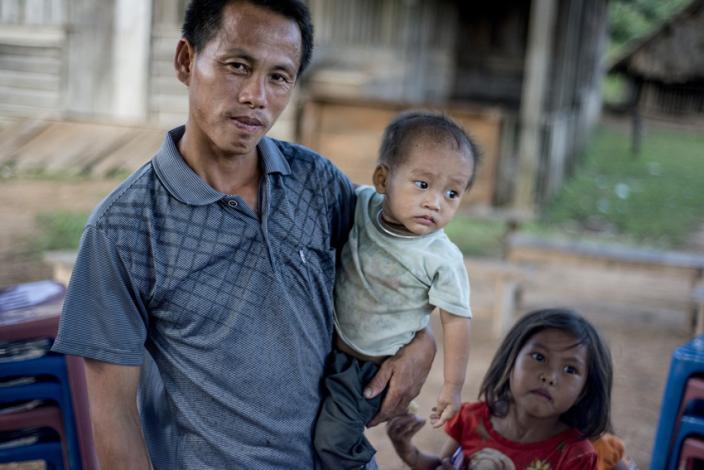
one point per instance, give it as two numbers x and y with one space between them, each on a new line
253 92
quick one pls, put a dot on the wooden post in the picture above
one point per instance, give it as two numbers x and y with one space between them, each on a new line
88 65
535 84
132 39
637 121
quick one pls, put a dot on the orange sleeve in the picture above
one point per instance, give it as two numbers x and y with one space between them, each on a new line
609 449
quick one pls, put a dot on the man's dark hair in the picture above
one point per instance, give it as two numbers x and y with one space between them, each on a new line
408 126
203 18
591 414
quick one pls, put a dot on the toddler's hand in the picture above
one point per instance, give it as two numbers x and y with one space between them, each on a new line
447 406
401 430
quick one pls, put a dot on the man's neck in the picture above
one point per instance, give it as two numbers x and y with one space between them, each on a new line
230 174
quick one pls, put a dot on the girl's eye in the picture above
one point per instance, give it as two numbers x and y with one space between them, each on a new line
537 356
571 370
421 184
452 194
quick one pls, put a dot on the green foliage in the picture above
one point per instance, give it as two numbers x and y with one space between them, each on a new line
476 236
616 91
630 19
60 230
654 199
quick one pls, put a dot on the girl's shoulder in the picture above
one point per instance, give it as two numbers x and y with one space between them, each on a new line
475 411
469 416
578 452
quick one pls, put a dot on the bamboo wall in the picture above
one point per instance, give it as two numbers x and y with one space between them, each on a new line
32 51
348 132
167 102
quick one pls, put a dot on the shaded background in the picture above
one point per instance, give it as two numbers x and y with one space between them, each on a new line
590 115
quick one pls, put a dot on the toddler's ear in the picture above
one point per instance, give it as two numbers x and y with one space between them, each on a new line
381 174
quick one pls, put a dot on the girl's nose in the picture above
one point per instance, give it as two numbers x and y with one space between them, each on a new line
547 379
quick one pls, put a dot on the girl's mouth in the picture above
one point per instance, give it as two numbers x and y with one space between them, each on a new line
542 393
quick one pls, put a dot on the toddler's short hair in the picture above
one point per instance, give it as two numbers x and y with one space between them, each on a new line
417 124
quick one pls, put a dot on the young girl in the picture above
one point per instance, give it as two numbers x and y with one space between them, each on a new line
546 393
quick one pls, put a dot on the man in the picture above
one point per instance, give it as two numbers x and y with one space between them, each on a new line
217 258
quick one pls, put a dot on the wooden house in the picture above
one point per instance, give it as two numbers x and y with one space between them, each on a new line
523 76
666 68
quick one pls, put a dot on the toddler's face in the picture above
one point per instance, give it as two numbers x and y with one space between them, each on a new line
422 194
549 374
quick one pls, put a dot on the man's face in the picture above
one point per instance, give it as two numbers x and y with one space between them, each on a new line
242 79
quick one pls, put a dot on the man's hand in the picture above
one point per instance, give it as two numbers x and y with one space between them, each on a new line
404 374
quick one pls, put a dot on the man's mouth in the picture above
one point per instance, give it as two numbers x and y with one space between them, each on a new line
247 123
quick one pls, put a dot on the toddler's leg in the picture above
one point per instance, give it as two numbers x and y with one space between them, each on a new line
339 433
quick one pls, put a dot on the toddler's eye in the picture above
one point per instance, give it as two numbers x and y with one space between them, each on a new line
421 184
571 370
452 194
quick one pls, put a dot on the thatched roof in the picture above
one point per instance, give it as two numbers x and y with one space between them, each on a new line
673 53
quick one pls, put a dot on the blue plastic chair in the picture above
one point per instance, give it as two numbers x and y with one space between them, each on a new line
689 426
49 452
687 360
59 394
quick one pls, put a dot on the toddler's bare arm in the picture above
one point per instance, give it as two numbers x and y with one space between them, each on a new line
455 331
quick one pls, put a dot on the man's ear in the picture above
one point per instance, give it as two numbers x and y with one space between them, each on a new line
380 177
184 61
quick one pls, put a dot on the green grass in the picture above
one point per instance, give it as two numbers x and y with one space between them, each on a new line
60 230
655 198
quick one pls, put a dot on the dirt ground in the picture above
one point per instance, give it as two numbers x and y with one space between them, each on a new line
642 315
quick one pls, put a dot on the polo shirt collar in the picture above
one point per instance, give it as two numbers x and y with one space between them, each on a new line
185 185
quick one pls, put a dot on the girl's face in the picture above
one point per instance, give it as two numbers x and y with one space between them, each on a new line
549 374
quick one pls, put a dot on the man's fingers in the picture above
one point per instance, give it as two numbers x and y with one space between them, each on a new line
389 408
378 382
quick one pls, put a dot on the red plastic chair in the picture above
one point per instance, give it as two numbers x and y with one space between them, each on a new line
692 454
41 320
43 416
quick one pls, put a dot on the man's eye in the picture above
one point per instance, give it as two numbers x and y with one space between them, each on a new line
237 66
277 77
421 184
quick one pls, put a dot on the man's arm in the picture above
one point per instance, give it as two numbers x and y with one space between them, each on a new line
405 374
112 391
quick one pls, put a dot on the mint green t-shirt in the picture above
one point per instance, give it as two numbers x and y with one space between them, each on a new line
388 285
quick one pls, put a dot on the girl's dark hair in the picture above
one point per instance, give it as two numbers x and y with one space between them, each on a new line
203 18
591 415
410 125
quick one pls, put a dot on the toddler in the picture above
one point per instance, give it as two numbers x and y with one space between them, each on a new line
546 394
397 266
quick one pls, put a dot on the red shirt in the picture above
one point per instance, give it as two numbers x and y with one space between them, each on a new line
486 448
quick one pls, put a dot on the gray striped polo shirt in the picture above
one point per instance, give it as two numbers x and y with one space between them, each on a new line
234 311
